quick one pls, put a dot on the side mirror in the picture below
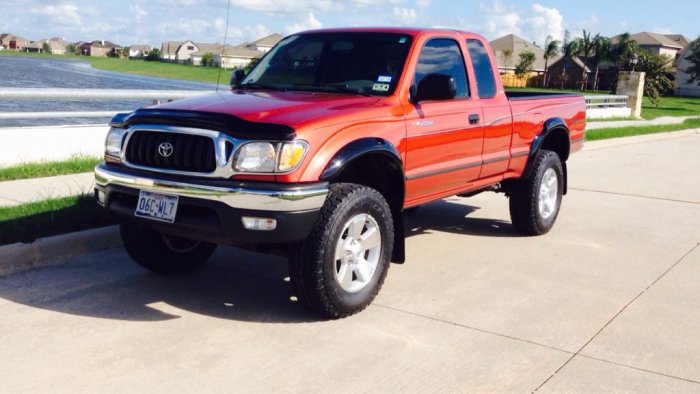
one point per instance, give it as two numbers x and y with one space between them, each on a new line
237 77
436 87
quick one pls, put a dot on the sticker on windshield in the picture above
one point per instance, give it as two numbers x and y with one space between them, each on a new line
384 78
402 40
381 87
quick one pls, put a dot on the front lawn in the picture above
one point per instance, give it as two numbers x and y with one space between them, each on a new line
601 134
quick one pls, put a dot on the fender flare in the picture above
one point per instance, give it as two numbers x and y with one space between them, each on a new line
551 126
357 149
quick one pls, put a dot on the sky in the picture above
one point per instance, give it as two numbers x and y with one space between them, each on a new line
128 22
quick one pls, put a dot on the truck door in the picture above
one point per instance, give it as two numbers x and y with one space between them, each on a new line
444 136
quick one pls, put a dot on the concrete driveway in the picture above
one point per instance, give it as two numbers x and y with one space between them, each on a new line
608 301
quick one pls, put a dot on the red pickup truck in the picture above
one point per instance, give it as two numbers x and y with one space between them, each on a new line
319 149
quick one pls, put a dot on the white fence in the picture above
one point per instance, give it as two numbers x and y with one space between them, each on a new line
607 106
40 143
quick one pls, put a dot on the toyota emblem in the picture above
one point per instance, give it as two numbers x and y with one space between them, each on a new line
165 149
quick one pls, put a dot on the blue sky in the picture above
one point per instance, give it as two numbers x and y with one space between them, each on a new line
129 22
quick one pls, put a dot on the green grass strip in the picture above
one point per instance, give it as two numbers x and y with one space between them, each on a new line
27 222
601 134
74 165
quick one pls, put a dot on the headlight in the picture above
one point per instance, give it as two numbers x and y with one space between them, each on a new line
267 157
113 144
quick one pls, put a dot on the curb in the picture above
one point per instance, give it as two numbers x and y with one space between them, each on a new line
18 256
613 142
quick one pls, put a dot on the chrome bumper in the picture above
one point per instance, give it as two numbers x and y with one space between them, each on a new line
290 200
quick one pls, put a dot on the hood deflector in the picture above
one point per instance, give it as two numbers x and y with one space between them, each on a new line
225 123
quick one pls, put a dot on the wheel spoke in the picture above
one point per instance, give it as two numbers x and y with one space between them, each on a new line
356 226
345 274
363 271
370 239
340 249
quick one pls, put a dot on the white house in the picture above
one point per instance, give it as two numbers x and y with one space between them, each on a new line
139 50
683 87
264 44
236 57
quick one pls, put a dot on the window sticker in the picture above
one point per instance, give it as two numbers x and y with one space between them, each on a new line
402 40
384 78
381 87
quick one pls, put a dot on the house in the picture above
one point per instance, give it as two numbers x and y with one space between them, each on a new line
98 48
683 87
264 44
659 44
236 57
565 73
11 41
168 50
139 51
196 57
57 46
515 46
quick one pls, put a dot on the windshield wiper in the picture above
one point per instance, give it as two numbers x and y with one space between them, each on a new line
261 86
336 88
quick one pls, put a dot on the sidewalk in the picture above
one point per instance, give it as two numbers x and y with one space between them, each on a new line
29 190
626 123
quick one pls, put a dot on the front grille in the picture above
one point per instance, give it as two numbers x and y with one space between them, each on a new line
191 153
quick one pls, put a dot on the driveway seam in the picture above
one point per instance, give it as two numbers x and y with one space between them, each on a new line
481 330
635 195
639 369
618 314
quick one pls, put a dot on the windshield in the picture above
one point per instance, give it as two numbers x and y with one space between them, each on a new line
347 63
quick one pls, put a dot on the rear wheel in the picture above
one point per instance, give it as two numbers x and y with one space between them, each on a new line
535 200
340 267
163 253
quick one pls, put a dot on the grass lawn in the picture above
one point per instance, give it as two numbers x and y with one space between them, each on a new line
27 222
73 165
140 67
601 134
671 106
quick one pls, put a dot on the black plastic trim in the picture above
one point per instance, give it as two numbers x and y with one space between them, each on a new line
225 123
357 149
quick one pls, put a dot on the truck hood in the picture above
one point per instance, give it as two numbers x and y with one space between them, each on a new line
291 109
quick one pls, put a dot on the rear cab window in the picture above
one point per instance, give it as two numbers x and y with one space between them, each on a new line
483 70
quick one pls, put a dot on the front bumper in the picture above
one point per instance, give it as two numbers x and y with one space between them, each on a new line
211 210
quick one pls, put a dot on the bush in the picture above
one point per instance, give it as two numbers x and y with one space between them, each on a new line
153 55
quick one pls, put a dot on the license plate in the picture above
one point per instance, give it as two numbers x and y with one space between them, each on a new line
156 206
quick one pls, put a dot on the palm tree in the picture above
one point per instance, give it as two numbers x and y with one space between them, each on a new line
623 50
551 48
602 52
584 49
568 50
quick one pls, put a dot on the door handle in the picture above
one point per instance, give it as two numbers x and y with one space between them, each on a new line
474 119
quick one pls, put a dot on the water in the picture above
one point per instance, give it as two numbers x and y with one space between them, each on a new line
19 72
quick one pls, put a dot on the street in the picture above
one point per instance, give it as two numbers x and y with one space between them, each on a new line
608 301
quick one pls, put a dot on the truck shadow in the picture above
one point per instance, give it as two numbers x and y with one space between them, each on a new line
235 285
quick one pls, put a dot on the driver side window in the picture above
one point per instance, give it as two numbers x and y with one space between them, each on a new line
443 56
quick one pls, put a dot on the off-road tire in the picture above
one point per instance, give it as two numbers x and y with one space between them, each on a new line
312 262
524 194
158 253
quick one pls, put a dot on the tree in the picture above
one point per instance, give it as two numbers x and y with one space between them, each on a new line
153 55
46 48
623 50
584 49
208 59
568 51
551 48
124 52
73 49
659 75
694 58
524 66
601 53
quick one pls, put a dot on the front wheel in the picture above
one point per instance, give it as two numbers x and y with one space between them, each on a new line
163 253
340 267
535 200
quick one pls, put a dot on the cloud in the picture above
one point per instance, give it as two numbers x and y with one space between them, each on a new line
238 34
500 20
404 16
307 24
61 14
662 30
423 3
138 12
545 22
